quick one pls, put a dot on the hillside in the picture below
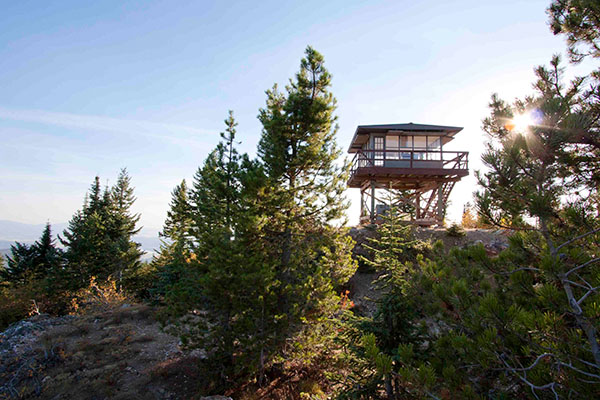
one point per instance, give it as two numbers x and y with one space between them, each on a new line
121 352
364 294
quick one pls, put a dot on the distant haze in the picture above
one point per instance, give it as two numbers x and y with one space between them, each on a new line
12 231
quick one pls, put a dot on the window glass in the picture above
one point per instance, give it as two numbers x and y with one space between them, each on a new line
433 142
391 142
420 142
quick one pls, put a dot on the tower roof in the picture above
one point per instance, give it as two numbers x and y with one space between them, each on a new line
362 132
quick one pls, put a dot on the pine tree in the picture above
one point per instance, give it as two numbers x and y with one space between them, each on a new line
87 241
126 252
36 262
580 21
176 243
224 274
304 196
528 177
393 253
20 264
215 192
178 222
49 259
98 240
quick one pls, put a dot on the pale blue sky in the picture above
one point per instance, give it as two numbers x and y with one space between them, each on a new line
89 87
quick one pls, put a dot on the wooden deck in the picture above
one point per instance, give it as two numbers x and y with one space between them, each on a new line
408 169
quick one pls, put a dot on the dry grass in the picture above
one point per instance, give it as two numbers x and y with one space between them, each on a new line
117 354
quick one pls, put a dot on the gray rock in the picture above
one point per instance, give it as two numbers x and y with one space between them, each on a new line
216 398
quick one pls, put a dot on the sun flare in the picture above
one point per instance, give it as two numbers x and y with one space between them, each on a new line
521 122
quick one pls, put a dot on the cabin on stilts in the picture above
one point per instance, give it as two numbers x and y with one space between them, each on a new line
408 161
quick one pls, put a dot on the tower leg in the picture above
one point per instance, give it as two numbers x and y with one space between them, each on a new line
372 201
362 203
440 204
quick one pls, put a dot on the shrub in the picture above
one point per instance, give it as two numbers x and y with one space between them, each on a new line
455 230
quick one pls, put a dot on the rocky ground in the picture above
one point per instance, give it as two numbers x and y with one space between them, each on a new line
118 354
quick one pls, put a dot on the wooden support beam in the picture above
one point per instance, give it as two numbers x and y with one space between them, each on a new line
372 201
440 204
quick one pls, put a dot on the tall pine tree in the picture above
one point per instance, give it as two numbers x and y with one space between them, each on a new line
125 252
176 241
225 273
98 240
302 199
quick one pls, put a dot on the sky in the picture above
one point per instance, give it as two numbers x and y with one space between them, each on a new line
87 88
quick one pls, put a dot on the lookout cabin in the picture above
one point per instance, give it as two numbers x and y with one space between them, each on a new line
410 163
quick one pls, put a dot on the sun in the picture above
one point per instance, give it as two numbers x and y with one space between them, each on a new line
521 122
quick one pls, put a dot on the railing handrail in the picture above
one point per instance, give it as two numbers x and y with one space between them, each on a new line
372 156
408 150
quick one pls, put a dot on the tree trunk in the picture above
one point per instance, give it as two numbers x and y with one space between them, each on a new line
388 387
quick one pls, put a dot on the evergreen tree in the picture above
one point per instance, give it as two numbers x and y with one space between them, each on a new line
98 239
393 251
178 222
579 20
20 265
36 262
224 274
87 241
304 196
217 187
125 251
529 175
176 242
49 259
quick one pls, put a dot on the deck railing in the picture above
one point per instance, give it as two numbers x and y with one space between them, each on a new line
447 160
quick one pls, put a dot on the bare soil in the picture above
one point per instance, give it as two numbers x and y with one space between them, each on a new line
118 354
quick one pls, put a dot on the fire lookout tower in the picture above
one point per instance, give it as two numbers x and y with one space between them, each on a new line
409 162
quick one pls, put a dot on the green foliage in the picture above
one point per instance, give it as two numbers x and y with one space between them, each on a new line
44 278
98 240
27 282
303 197
32 262
579 20
455 230
176 243
258 253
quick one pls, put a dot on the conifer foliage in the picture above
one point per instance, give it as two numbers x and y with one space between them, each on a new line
33 262
98 240
303 197
266 263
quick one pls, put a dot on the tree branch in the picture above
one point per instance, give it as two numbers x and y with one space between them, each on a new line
577 268
592 290
568 242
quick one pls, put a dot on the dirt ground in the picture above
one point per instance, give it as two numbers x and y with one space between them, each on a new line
119 354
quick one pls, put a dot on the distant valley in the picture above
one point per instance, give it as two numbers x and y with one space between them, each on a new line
12 231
